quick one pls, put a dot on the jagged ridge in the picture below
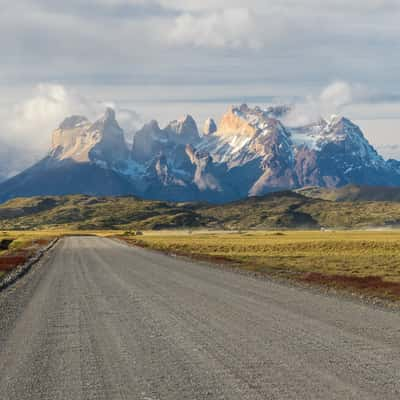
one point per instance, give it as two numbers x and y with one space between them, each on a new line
251 152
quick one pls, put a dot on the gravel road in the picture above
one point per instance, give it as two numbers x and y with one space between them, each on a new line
97 319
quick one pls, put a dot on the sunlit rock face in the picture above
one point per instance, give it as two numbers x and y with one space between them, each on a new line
70 140
235 123
79 140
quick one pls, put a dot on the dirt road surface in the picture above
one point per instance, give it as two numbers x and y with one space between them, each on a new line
97 319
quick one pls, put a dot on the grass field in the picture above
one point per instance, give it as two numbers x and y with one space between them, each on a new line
368 260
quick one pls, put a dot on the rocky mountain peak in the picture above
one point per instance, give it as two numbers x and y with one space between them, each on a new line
248 122
210 127
183 130
109 114
234 122
244 108
148 142
152 126
74 121
340 128
78 140
150 129
278 112
107 124
108 139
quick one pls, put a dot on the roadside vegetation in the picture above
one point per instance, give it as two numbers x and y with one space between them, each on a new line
17 247
365 261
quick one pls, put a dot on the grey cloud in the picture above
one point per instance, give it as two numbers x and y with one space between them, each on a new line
117 42
303 6
107 9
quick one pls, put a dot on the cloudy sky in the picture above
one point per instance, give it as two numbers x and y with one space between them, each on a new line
162 58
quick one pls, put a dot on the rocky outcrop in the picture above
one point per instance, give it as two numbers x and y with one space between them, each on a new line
148 142
235 123
151 140
183 131
111 147
210 127
306 167
70 140
205 172
277 161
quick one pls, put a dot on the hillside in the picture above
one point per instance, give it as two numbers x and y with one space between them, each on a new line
274 211
353 193
85 212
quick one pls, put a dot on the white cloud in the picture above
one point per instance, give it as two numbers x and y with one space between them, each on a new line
296 36
332 99
231 28
32 120
336 95
339 97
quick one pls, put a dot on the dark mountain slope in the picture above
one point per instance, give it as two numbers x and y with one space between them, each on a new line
67 177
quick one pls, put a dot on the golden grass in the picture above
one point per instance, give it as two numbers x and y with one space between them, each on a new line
355 254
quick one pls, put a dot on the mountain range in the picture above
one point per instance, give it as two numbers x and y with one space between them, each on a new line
250 152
